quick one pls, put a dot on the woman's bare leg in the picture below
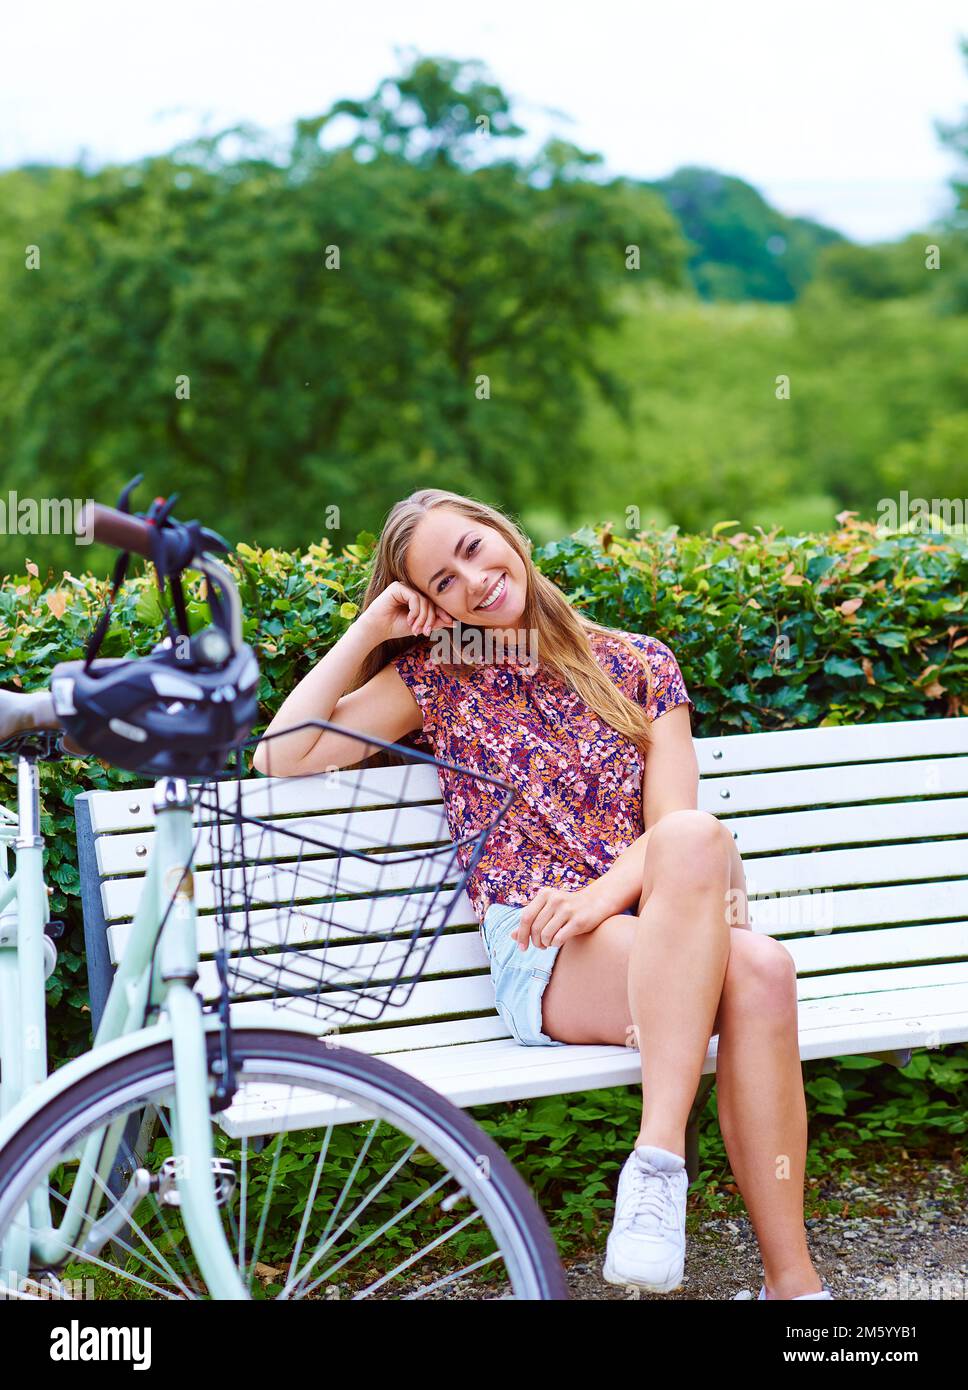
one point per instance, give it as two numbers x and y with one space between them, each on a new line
759 1079
674 957
677 966
762 1108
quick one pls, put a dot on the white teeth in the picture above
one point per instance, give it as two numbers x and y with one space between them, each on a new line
496 594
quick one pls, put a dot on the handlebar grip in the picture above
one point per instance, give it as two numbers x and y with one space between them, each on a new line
111 527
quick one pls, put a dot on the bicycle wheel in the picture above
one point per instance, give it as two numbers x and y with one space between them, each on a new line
413 1200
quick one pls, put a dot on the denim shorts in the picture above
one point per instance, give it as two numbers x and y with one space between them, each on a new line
520 977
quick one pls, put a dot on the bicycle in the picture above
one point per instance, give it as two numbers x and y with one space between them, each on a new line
126 1145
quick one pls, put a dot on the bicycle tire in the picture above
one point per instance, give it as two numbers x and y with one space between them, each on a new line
535 1269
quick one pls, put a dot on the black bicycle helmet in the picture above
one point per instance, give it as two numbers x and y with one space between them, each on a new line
182 710
158 715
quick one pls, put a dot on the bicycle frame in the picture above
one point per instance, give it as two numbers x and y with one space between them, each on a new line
157 970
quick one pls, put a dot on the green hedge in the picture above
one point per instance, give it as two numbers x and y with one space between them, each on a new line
771 632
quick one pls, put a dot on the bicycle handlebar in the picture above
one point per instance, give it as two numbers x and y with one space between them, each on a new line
117 529
184 546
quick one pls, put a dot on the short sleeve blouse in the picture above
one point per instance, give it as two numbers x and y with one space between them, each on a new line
579 780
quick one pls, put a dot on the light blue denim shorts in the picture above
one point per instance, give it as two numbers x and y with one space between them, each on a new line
520 977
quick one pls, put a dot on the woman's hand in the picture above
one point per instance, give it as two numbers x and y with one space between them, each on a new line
402 612
556 915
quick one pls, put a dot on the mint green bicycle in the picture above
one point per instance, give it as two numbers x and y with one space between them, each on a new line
119 1177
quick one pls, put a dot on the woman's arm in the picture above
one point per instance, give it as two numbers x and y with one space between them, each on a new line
383 706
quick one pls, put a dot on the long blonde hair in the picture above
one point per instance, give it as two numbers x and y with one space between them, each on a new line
563 632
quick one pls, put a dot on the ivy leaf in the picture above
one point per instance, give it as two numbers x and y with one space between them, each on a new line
148 608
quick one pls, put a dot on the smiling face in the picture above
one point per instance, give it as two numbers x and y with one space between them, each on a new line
459 564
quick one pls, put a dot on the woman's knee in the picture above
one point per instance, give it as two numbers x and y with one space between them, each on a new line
761 974
689 847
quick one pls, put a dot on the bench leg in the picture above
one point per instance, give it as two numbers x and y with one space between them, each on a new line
897 1057
706 1084
100 968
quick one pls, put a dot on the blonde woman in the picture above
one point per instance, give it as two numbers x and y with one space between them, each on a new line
605 897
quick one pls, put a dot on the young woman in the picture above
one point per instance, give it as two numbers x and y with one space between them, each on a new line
607 900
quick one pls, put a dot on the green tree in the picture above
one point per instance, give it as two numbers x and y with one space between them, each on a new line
741 247
275 338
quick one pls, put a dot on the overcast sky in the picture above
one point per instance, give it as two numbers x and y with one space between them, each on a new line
826 106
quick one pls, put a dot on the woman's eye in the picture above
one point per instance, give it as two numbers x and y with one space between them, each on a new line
470 551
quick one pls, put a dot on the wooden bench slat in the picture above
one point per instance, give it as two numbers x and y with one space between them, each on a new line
852 743
340 922
359 789
127 853
357 831
918 821
266 884
866 867
852 784
834 908
836 985
462 994
442 1032
846 950
453 953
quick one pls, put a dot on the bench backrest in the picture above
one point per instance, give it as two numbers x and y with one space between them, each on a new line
854 841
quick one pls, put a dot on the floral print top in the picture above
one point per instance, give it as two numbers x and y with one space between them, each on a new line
579 781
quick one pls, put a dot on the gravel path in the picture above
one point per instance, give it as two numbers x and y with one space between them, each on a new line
899 1231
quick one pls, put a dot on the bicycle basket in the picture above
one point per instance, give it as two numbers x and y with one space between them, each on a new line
327 892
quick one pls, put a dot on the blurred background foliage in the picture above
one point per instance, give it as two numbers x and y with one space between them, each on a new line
318 394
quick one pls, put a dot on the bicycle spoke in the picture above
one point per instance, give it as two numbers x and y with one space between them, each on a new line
419 1255
270 1187
243 1201
417 1201
112 1269
364 1202
304 1224
451 1278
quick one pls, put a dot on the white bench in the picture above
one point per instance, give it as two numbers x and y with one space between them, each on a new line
855 844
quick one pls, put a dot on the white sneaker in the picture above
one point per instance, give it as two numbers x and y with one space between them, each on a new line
647 1243
824 1293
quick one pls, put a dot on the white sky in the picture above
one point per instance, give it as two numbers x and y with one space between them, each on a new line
826 106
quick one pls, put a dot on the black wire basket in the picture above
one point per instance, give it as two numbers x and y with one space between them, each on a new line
329 890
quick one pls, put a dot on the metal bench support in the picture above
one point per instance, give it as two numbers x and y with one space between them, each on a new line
100 969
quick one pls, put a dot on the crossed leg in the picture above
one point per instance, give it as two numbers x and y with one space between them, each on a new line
669 980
